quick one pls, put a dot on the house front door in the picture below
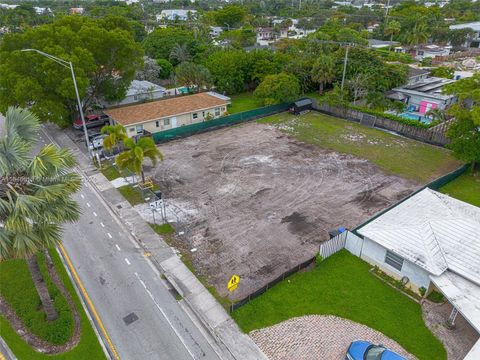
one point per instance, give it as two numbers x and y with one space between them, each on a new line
174 122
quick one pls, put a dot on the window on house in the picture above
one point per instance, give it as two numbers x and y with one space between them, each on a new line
132 129
135 97
195 115
394 260
166 122
157 123
217 111
139 129
203 113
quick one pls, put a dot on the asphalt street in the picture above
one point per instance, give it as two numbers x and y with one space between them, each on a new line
140 313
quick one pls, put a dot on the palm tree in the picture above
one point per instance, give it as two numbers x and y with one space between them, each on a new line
393 28
323 71
35 196
116 133
180 53
136 152
418 35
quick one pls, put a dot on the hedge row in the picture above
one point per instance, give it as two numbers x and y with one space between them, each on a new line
396 118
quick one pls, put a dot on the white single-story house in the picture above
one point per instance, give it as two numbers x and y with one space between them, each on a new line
474 41
138 91
431 241
170 113
430 51
176 14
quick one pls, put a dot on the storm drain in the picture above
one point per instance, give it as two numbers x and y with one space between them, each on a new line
119 206
130 318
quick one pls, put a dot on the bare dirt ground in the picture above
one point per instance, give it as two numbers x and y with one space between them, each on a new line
457 341
253 201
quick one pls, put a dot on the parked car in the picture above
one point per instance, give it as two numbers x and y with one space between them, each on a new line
92 121
365 350
96 142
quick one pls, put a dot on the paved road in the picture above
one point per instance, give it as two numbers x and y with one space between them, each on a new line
140 314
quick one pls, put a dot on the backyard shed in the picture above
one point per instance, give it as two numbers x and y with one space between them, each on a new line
302 106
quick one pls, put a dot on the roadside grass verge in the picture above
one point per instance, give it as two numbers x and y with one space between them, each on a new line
394 154
15 280
343 286
243 102
110 172
466 188
133 196
167 232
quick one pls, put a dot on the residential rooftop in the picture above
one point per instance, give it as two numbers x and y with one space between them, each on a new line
136 114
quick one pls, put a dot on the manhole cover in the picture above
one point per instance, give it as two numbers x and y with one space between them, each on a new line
130 318
119 206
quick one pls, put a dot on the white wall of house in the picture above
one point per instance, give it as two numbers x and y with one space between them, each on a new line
375 254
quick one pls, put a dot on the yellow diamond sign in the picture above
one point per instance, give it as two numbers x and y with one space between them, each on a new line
233 282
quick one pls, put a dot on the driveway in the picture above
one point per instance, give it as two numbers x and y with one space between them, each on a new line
317 337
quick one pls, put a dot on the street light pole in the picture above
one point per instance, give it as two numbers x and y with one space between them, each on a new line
68 64
345 65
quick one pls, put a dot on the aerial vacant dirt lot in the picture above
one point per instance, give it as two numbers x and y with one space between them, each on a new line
255 202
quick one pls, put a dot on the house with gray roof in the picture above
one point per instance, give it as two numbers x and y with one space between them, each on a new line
431 241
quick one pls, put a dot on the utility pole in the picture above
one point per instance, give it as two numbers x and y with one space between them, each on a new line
69 65
345 65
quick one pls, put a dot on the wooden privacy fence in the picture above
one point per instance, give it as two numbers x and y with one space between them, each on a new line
333 245
434 135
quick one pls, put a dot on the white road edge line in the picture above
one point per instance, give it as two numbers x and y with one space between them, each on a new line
165 316
118 247
127 261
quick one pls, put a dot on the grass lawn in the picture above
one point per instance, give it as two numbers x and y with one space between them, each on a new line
18 290
466 188
395 155
343 286
243 102
133 196
110 172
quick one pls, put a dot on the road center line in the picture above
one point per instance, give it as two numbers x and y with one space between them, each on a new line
88 204
118 247
127 261
83 197
103 225
109 235
94 214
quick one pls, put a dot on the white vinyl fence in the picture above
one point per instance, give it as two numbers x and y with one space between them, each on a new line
333 245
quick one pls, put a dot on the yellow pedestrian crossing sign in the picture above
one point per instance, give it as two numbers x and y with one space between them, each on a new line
233 282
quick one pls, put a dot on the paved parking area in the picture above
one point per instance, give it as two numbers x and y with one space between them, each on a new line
316 337
256 202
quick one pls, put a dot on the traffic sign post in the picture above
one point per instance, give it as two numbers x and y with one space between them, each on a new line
232 286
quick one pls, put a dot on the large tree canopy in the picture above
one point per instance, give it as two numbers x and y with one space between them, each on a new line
160 43
105 58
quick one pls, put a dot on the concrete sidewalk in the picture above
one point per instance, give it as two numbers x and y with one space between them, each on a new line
233 344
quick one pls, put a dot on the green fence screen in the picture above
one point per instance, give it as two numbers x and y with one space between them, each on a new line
228 120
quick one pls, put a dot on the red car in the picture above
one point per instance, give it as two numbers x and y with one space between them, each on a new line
92 121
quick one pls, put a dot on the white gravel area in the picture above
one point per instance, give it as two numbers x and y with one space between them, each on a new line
317 337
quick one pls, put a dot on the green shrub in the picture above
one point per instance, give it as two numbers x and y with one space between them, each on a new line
436 297
318 259
422 291
391 117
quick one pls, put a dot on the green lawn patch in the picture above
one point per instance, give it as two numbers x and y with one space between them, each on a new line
133 196
110 172
343 286
163 229
18 290
243 102
466 188
394 154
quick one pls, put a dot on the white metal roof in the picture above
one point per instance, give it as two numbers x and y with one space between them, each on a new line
138 87
462 294
433 231
472 25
